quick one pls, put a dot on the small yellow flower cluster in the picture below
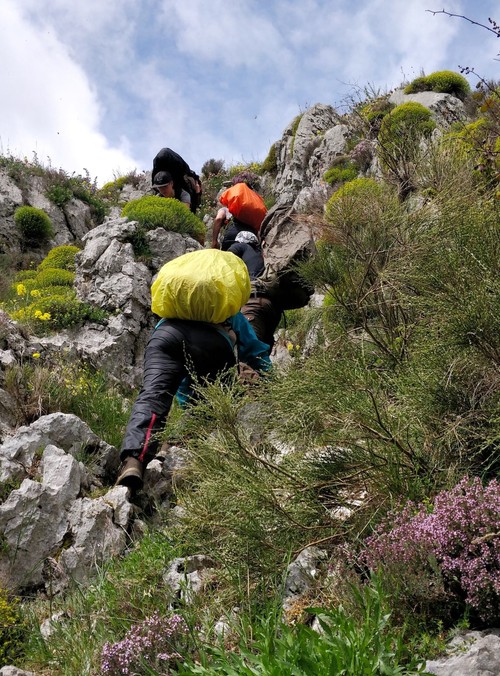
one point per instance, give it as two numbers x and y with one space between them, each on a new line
36 293
77 384
36 355
20 289
42 316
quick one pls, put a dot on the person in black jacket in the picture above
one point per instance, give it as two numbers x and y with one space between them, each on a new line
177 350
263 314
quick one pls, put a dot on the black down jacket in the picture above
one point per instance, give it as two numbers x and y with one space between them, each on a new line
175 349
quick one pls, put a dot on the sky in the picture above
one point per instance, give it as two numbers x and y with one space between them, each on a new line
97 87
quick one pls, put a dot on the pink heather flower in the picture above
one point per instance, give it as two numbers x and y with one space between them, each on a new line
461 532
152 641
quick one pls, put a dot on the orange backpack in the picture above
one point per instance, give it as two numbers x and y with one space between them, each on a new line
244 204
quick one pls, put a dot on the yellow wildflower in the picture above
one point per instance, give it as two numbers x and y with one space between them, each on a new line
36 355
35 293
42 316
20 289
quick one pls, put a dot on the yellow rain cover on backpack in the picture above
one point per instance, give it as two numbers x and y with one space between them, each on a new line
206 285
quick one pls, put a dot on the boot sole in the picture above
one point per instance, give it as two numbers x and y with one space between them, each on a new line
130 478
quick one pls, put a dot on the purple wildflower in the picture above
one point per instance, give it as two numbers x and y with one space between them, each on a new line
461 533
150 643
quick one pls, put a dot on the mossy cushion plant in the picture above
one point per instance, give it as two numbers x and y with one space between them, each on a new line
443 81
60 257
34 224
405 123
163 212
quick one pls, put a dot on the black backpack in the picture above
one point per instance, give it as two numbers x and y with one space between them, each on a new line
184 177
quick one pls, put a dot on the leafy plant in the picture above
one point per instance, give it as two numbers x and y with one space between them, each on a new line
13 631
344 645
34 224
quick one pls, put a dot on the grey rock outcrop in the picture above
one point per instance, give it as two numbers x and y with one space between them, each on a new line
53 532
445 108
188 576
472 653
301 574
70 222
295 150
18 453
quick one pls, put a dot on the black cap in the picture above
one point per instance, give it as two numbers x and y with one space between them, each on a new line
161 179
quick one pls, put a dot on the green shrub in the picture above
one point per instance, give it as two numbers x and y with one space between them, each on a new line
34 224
12 630
111 191
376 109
356 191
54 277
212 167
66 311
61 257
47 301
160 212
25 274
410 116
444 81
342 173
59 194
400 143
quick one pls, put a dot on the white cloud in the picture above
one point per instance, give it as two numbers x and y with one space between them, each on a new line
53 109
104 85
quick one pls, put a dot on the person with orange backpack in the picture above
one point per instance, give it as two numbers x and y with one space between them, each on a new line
247 209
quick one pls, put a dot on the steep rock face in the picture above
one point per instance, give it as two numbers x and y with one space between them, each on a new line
51 528
70 222
299 143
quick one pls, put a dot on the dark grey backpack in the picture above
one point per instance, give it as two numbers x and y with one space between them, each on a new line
286 239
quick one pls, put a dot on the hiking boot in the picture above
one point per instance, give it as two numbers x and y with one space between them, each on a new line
131 474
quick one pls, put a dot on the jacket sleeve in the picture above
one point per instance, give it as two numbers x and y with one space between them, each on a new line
251 350
164 369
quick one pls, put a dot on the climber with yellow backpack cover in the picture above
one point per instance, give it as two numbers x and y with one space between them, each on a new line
201 334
